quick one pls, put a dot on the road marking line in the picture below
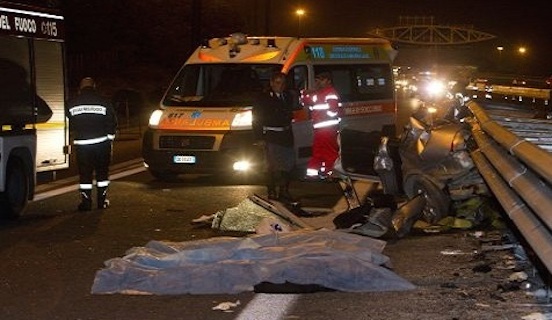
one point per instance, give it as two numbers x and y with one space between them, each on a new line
75 186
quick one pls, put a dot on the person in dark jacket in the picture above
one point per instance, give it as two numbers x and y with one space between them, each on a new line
93 123
272 117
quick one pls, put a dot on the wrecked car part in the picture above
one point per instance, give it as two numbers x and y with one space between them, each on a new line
281 210
378 224
372 218
403 219
358 150
386 167
437 203
349 191
436 162
358 215
382 160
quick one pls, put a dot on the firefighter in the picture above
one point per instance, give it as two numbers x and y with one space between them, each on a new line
272 117
324 106
93 122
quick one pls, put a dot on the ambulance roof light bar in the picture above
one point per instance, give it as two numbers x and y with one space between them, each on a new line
205 44
271 43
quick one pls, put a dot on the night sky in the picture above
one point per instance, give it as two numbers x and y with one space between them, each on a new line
514 23
513 20
165 29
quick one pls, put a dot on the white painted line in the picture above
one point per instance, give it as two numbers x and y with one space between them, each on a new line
127 173
268 307
55 192
75 186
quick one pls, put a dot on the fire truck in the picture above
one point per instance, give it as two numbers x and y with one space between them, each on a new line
34 130
203 124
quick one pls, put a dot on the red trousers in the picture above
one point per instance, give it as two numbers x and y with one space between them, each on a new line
325 149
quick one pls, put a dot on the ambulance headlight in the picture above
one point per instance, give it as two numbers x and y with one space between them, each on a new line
241 166
154 119
242 120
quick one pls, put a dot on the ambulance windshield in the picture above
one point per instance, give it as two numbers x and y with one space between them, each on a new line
219 85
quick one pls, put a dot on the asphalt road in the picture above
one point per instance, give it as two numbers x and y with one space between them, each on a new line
52 253
51 256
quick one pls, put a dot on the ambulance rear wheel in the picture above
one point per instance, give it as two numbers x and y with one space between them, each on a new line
15 197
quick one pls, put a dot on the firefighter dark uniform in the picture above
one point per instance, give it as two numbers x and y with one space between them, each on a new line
272 118
93 123
324 106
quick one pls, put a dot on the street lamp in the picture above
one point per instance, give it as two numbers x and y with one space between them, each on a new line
299 13
522 52
500 49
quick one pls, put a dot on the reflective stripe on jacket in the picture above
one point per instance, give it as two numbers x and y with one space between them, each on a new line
325 110
92 118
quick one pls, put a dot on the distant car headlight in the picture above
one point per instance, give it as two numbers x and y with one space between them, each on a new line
431 109
436 88
155 117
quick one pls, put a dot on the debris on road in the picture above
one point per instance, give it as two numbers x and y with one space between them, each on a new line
227 306
250 212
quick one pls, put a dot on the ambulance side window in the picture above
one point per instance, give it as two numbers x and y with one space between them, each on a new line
374 81
342 83
341 80
298 78
361 82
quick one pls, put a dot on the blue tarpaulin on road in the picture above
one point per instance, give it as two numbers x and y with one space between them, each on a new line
228 265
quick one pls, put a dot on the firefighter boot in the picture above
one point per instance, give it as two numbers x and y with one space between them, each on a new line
103 202
86 200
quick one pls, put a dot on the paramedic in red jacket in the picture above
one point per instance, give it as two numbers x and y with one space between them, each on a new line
324 106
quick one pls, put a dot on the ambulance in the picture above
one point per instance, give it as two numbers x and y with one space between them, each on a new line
203 124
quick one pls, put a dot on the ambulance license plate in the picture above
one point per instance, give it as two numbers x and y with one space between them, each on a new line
184 159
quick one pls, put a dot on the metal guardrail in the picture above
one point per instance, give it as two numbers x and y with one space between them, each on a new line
514 157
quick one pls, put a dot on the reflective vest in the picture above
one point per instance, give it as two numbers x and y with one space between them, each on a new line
325 108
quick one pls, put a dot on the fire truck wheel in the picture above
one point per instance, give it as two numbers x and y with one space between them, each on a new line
437 202
15 198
